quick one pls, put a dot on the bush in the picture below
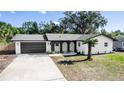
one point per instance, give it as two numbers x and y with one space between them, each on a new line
49 52
66 62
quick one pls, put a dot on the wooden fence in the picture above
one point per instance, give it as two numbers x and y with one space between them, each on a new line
7 48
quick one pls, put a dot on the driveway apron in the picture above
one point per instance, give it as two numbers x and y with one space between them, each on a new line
32 67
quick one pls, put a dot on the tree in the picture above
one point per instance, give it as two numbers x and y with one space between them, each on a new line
45 28
63 25
103 31
49 28
54 27
7 31
83 22
30 27
116 33
90 42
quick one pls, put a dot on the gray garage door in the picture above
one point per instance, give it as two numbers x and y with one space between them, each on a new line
33 47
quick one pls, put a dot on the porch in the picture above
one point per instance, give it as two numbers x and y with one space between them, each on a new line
63 46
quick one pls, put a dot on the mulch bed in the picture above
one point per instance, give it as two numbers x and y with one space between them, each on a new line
5 60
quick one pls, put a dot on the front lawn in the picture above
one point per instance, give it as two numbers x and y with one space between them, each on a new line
103 67
116 57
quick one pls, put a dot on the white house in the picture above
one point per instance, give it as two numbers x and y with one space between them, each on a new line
61 43
119 44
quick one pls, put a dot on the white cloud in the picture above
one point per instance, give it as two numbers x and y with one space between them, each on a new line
43 12
56 22
12 12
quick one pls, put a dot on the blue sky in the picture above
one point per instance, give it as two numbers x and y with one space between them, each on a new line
16 18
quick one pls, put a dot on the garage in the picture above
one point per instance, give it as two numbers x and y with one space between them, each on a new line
33 47
29 43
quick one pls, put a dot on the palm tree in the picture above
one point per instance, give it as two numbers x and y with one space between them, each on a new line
90 42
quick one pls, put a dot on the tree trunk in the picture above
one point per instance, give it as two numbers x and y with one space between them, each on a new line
89 52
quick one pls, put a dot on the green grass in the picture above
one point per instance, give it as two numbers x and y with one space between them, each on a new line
116 57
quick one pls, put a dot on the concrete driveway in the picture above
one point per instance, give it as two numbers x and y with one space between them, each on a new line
32 67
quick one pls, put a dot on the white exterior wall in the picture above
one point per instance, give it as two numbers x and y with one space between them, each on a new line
64 47
57 48
18 47
82 47
48 46
71 46
99 47
79 48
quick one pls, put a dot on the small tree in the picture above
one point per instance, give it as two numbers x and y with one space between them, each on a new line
90 42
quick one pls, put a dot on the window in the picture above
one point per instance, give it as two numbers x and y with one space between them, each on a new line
79 44
105 44
57 44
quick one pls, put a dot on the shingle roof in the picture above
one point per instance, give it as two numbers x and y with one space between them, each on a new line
87 36
31 37
71 37
59 37
120 38
53 37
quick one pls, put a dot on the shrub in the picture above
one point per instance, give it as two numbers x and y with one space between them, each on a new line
66 62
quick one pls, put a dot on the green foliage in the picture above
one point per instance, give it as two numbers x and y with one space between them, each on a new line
41 28
113 34
83 22
50 28
90 42
103 31
116 33
49 52
7 32
30 27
